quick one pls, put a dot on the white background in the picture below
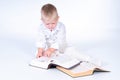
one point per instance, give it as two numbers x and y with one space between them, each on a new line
93 26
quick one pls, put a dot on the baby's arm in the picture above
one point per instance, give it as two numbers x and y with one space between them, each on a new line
40 51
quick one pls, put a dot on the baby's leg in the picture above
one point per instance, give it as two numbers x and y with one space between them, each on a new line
80 56
75 53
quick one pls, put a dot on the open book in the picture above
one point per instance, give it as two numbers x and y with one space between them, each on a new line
83 69
62 60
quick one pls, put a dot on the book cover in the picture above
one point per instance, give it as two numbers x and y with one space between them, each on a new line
83 69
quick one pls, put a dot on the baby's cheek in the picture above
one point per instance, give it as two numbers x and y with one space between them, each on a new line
54 26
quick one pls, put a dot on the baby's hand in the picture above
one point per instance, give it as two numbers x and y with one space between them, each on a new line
39 54
49 52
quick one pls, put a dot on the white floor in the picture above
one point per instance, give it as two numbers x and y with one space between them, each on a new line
15 54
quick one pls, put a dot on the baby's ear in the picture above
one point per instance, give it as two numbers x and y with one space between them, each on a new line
41 19
58 17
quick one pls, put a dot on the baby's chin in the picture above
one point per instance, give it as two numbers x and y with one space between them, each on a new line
52 29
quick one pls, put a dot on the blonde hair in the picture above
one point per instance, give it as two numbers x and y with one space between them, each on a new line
49 11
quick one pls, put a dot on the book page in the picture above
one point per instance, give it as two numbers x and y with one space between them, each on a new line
62 60
83 67
65 61
41 62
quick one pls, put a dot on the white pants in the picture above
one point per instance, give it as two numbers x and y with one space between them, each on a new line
73 52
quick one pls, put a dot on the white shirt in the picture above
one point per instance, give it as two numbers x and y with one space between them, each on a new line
52 39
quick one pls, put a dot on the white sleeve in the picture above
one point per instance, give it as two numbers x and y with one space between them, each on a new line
41 42
61 35
55 45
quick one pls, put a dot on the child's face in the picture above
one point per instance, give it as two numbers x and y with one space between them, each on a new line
50 23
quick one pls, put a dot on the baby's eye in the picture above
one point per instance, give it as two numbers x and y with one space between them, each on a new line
53 23
47 24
